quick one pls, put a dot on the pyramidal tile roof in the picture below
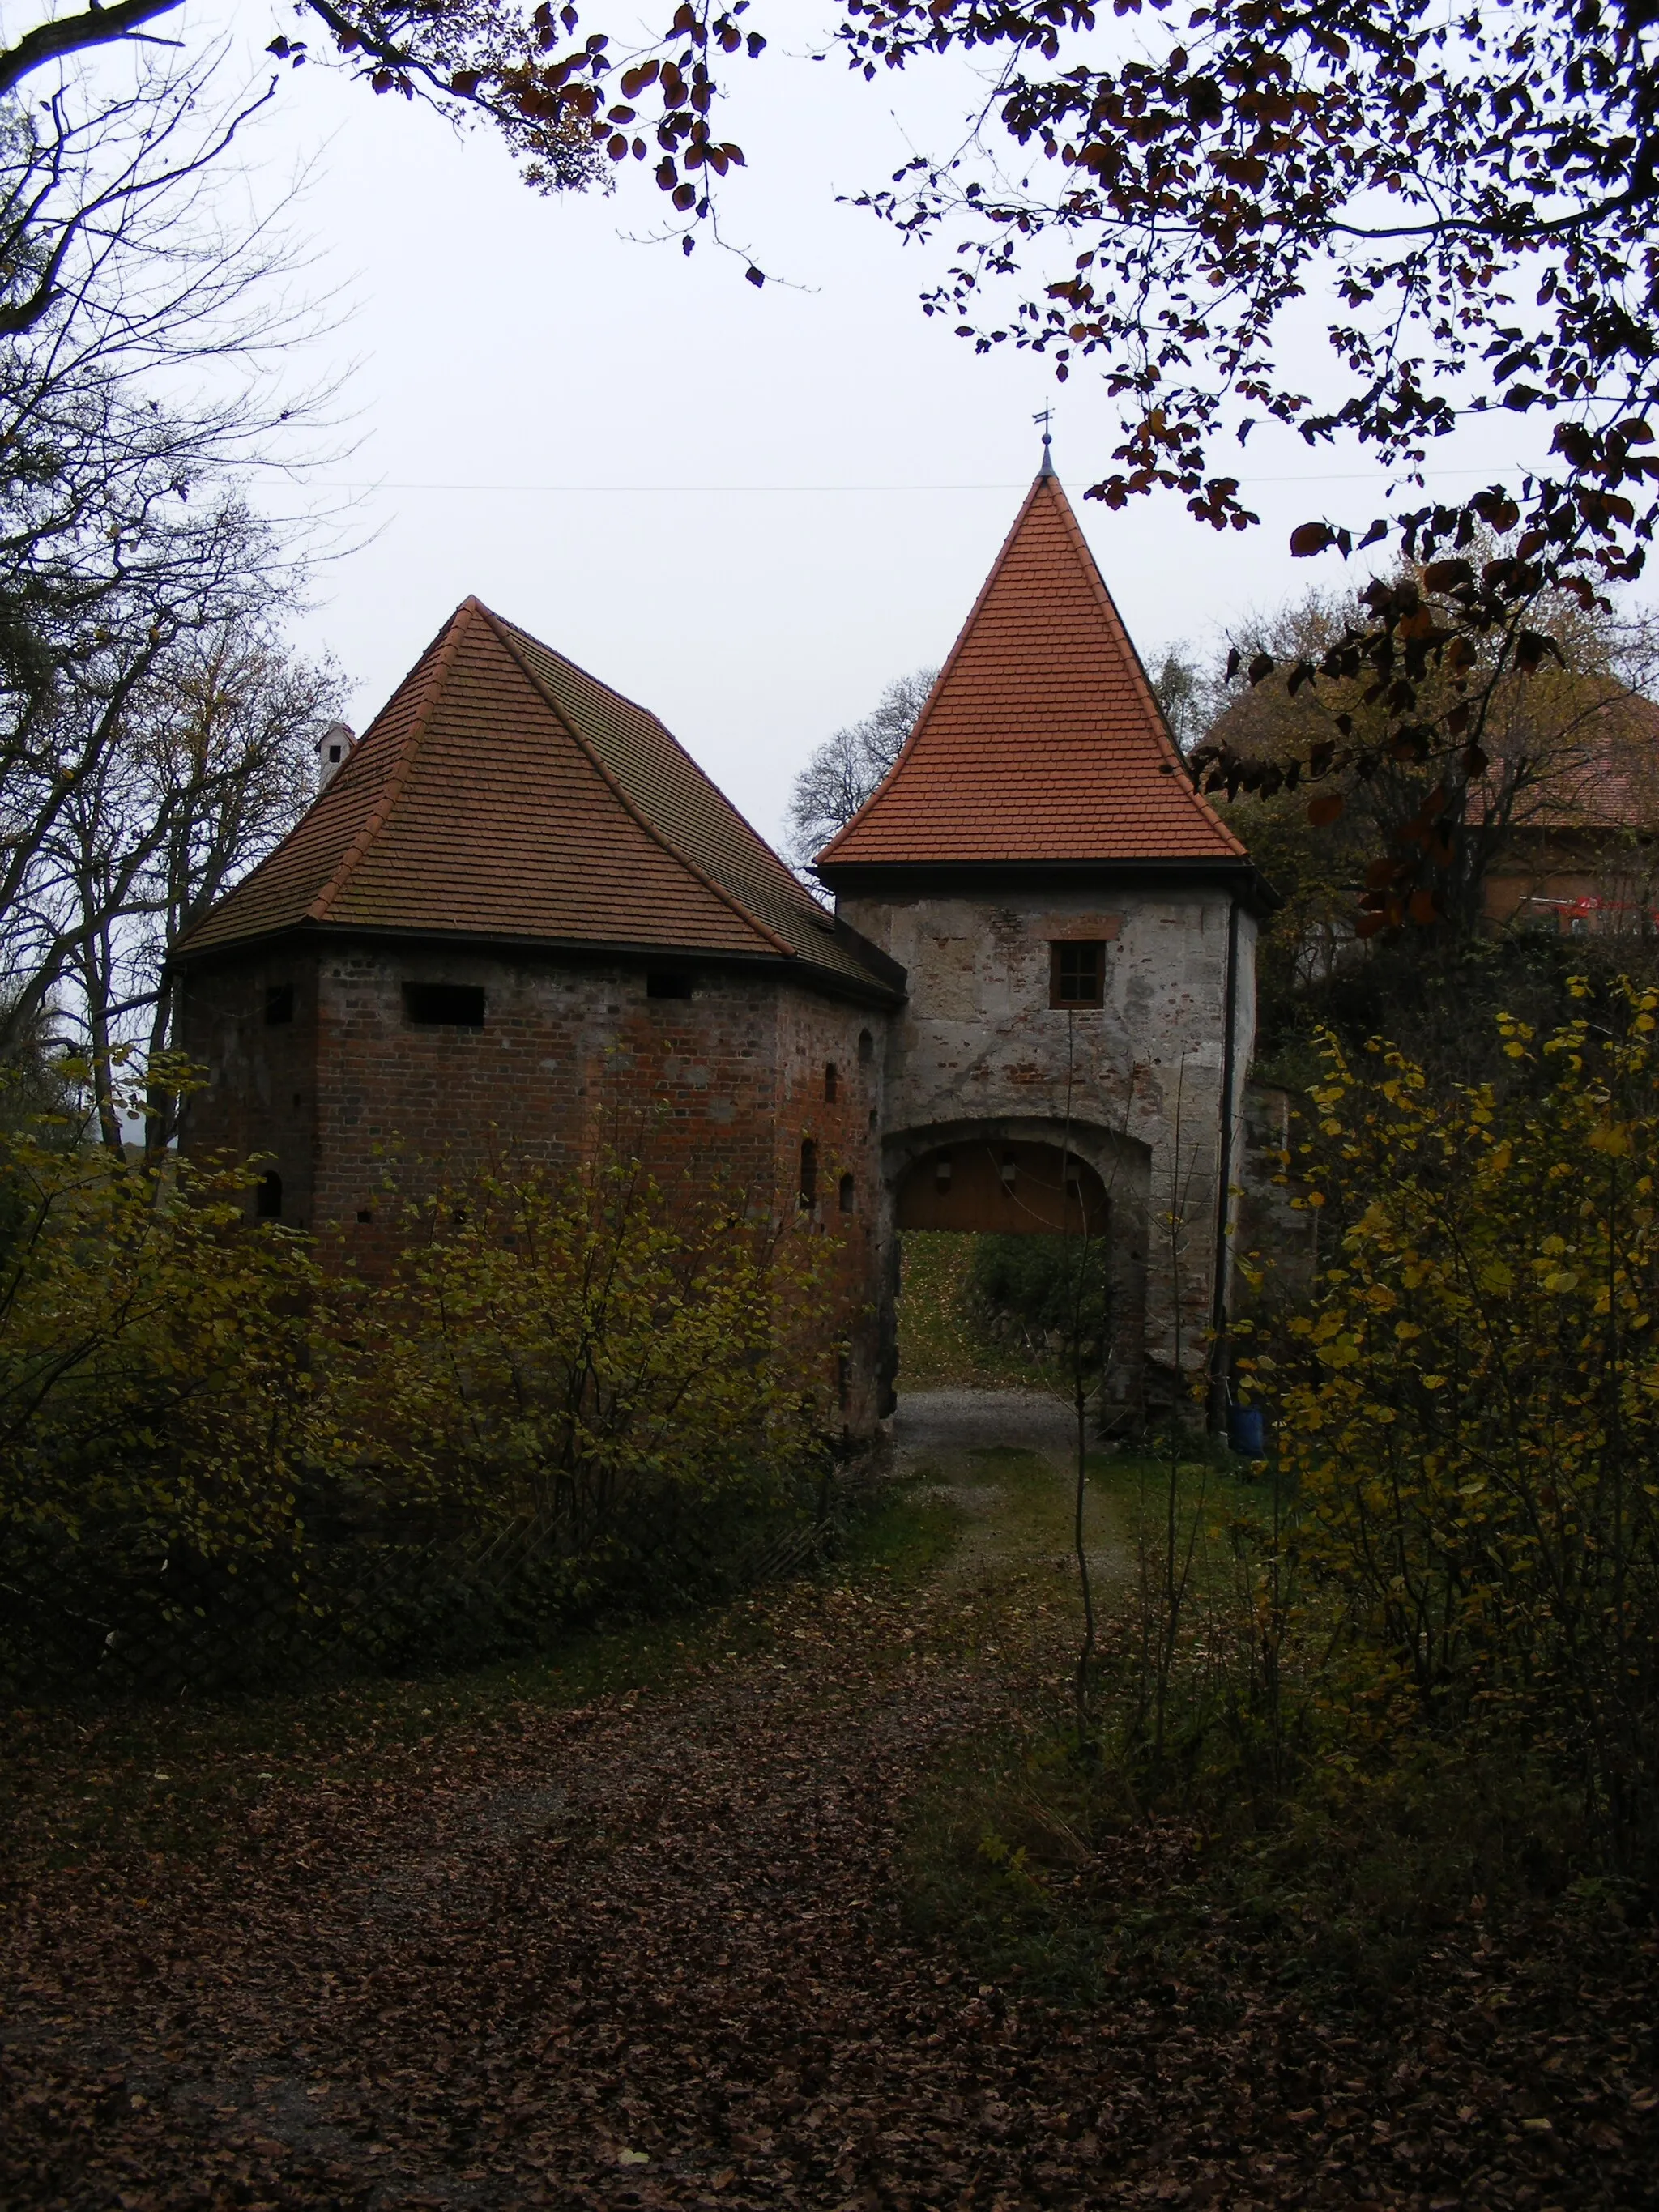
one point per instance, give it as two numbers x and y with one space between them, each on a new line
1041 741
504 793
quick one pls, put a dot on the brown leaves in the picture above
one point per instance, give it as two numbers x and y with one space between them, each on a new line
1326 809
652 1951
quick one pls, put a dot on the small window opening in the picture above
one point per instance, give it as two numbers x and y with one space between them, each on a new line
873 1117
866 1047
809 1172
444 1006
1078 975
268 1196
663 983
279 1003
942 1172
365 1213
335 752
849 1194
1010 1170
829 1082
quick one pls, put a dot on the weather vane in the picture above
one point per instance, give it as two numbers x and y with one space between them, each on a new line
1044 417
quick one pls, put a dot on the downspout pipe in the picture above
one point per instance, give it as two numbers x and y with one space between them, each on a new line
1220 1356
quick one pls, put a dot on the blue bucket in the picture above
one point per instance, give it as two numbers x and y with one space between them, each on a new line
1247 1432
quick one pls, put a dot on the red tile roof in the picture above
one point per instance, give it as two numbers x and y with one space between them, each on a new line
1041 741
504 793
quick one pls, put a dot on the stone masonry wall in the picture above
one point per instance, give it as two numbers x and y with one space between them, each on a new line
979 1048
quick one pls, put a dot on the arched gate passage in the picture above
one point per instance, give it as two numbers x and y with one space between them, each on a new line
1033 1175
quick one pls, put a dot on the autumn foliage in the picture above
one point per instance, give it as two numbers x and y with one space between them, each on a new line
1468 1416
222 1458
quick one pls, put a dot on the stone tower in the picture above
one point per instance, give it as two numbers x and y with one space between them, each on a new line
1077 926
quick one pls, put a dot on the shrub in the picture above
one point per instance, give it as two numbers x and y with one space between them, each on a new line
600 1387
1469 1405
158 1398
222 1461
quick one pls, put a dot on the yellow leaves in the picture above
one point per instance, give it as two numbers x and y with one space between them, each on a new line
1407 1331
1613 1139
1497 1276
1561 1280
1434 1382
1515 1051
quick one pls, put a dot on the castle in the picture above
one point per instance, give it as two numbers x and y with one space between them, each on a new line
519 906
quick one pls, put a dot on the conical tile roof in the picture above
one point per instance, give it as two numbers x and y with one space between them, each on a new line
504 793
1041 741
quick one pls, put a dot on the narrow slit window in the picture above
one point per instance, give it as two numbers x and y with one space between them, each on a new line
1077 972
279 1003
866 1047
809 1172
942 1172
849 1194
268 1196
444 1006
829 1082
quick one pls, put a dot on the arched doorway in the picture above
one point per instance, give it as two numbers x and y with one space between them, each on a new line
1003 1186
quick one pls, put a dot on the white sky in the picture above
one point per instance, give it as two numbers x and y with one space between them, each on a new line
794 494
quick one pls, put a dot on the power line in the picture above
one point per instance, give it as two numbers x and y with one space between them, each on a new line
703 491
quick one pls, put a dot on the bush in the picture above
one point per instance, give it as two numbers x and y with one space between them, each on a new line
577 1388
159 1410
222 1460
1469 1409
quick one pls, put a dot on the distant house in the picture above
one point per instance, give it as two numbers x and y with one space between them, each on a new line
1580 853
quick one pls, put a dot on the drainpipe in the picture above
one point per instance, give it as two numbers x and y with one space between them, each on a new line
1219 1357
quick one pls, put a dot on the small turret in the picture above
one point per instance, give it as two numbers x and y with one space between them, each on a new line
333 750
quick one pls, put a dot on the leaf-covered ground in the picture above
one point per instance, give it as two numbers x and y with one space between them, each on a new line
654 1949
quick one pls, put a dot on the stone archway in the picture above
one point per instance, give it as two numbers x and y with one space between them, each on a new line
1065 1175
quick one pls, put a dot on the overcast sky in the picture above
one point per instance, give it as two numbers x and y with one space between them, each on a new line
748 509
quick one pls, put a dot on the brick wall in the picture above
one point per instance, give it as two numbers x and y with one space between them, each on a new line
723 1085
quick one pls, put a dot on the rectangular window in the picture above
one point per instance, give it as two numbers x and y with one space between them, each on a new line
664 983
279 1003
1077 976
444 1006
829 1082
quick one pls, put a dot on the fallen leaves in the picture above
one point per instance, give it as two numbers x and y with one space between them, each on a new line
652 1953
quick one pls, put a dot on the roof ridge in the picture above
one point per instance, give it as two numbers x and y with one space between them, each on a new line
441 659
937 691
656 722
507 633
1137 667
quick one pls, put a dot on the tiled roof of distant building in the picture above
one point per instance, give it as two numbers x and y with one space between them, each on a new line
1041 741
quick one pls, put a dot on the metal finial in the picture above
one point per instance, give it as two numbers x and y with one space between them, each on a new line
1047 468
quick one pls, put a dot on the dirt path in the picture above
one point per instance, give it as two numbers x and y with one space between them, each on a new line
647 1952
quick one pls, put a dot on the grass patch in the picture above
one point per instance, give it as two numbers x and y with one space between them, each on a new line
902 1531
944 1340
